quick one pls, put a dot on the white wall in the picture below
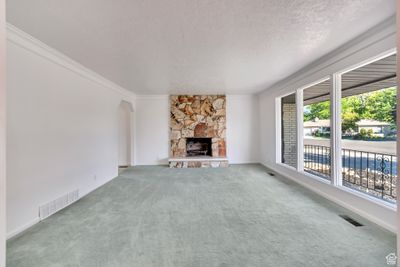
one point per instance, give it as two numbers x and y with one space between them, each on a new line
242 128
152 129
2 137
379 40
125 134
62 128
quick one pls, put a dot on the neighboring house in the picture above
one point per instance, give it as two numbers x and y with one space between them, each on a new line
317 125
379 128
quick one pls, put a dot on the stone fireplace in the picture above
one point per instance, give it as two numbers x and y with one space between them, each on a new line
198 131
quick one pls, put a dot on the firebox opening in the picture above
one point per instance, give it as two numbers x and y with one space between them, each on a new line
198 147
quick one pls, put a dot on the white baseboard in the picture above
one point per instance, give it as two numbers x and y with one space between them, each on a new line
22 228
36 220
362 212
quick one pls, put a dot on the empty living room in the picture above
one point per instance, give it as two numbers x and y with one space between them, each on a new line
199 133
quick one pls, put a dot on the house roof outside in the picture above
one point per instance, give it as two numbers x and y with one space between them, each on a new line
372 123
327 123
317 123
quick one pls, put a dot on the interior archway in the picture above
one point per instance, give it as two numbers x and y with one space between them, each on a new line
125 134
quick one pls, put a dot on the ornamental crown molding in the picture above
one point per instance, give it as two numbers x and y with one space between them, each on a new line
30 43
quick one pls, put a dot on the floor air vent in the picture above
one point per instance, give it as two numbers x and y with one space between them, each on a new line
351 220
55 205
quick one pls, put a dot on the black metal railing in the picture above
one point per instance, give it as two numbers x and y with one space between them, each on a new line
317 160
372 173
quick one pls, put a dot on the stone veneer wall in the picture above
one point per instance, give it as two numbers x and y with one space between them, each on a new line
198 116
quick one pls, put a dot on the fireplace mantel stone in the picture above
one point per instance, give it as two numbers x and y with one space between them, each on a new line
198 116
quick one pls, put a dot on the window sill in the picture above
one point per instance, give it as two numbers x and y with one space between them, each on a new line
364 196
309 175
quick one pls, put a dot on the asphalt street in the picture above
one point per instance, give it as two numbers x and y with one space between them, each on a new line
384 147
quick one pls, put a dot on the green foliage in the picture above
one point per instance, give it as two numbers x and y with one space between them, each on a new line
379 105
322 135
319 110
349 120
370 133
365 134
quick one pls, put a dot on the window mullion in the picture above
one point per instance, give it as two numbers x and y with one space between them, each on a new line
299 122
336 130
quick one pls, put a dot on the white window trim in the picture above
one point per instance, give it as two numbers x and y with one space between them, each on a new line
299 130
300 127
278 129
336 152
362 195
309 175
338 92
286 166
365 196
315 177
336 129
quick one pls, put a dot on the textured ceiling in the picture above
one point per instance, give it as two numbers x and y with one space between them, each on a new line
197 46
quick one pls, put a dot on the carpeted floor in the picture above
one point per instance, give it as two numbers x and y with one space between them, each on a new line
236 216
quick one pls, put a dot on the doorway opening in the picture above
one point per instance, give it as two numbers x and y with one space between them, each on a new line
125 135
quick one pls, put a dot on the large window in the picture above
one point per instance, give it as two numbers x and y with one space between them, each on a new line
317 129
288 130
350 142
368 114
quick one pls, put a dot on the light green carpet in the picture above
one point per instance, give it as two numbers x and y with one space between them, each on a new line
237 216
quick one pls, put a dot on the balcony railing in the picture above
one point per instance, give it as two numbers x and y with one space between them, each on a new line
317 160
372 173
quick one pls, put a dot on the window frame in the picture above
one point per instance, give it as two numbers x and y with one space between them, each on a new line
278 128
336 124
300 126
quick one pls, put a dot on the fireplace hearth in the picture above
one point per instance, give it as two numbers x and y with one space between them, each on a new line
198 147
